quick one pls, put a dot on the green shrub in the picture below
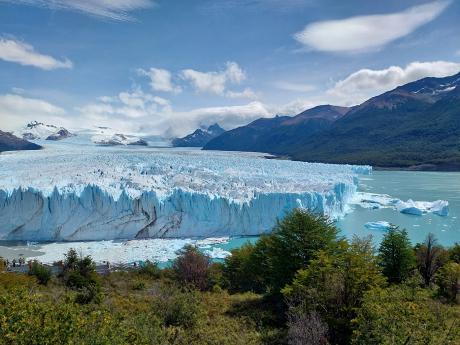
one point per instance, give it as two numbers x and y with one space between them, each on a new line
178 308
150 268
41 272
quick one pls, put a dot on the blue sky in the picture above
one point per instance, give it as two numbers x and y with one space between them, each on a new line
158 66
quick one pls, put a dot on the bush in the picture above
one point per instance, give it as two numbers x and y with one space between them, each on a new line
192 267
404 315
150 268
448 280
79 274
41 272
178 308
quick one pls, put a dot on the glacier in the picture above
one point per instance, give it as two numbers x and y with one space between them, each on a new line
81 192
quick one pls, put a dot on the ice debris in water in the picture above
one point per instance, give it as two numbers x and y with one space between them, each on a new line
419 208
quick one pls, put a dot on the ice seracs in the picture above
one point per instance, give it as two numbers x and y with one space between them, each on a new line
90 193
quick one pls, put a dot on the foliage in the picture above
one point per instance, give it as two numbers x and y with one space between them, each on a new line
79 273
273 261
241 271
192 267
454 253
404 315
178 308
150 268
332 286
448 280
41 272
396 255
430 257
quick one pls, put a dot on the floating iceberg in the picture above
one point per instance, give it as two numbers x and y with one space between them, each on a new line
419 208
380 225
89 193
439 207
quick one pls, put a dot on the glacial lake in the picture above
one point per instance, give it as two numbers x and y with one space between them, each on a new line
404 185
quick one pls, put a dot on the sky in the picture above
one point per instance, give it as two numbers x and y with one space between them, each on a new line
166 67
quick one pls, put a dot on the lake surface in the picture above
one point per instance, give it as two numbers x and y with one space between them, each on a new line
404 185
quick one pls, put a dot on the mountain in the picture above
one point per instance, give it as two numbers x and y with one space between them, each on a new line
200 137
105 136
38 130
415 126
9 142
278 134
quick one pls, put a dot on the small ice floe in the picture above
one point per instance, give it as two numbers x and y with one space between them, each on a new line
419 208
217 253
380 225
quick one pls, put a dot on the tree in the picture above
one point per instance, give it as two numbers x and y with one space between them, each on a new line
334 285
294 242
454 253
430 257
241 270
192 267
448 280
396 255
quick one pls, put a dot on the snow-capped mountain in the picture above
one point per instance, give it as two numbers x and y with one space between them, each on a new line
108 137
9 142
200 137
37 130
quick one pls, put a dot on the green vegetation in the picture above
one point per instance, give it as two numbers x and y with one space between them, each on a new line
301 284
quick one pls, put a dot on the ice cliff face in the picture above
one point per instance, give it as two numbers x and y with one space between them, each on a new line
95 194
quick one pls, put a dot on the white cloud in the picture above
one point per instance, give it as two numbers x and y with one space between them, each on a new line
295 87
24 54
109 9
363 33
160 80
247 93
214 82
16 111
366 83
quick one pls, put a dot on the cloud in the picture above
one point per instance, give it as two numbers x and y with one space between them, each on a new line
365 83
247 93
16 111
110 9
24 54
160 80
294 87
364 33
214 82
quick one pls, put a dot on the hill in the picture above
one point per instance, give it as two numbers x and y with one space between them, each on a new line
9 142
278 134
415 126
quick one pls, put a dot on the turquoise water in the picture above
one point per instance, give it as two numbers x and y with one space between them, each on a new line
420 186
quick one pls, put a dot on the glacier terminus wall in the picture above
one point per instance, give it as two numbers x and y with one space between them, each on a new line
94 193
